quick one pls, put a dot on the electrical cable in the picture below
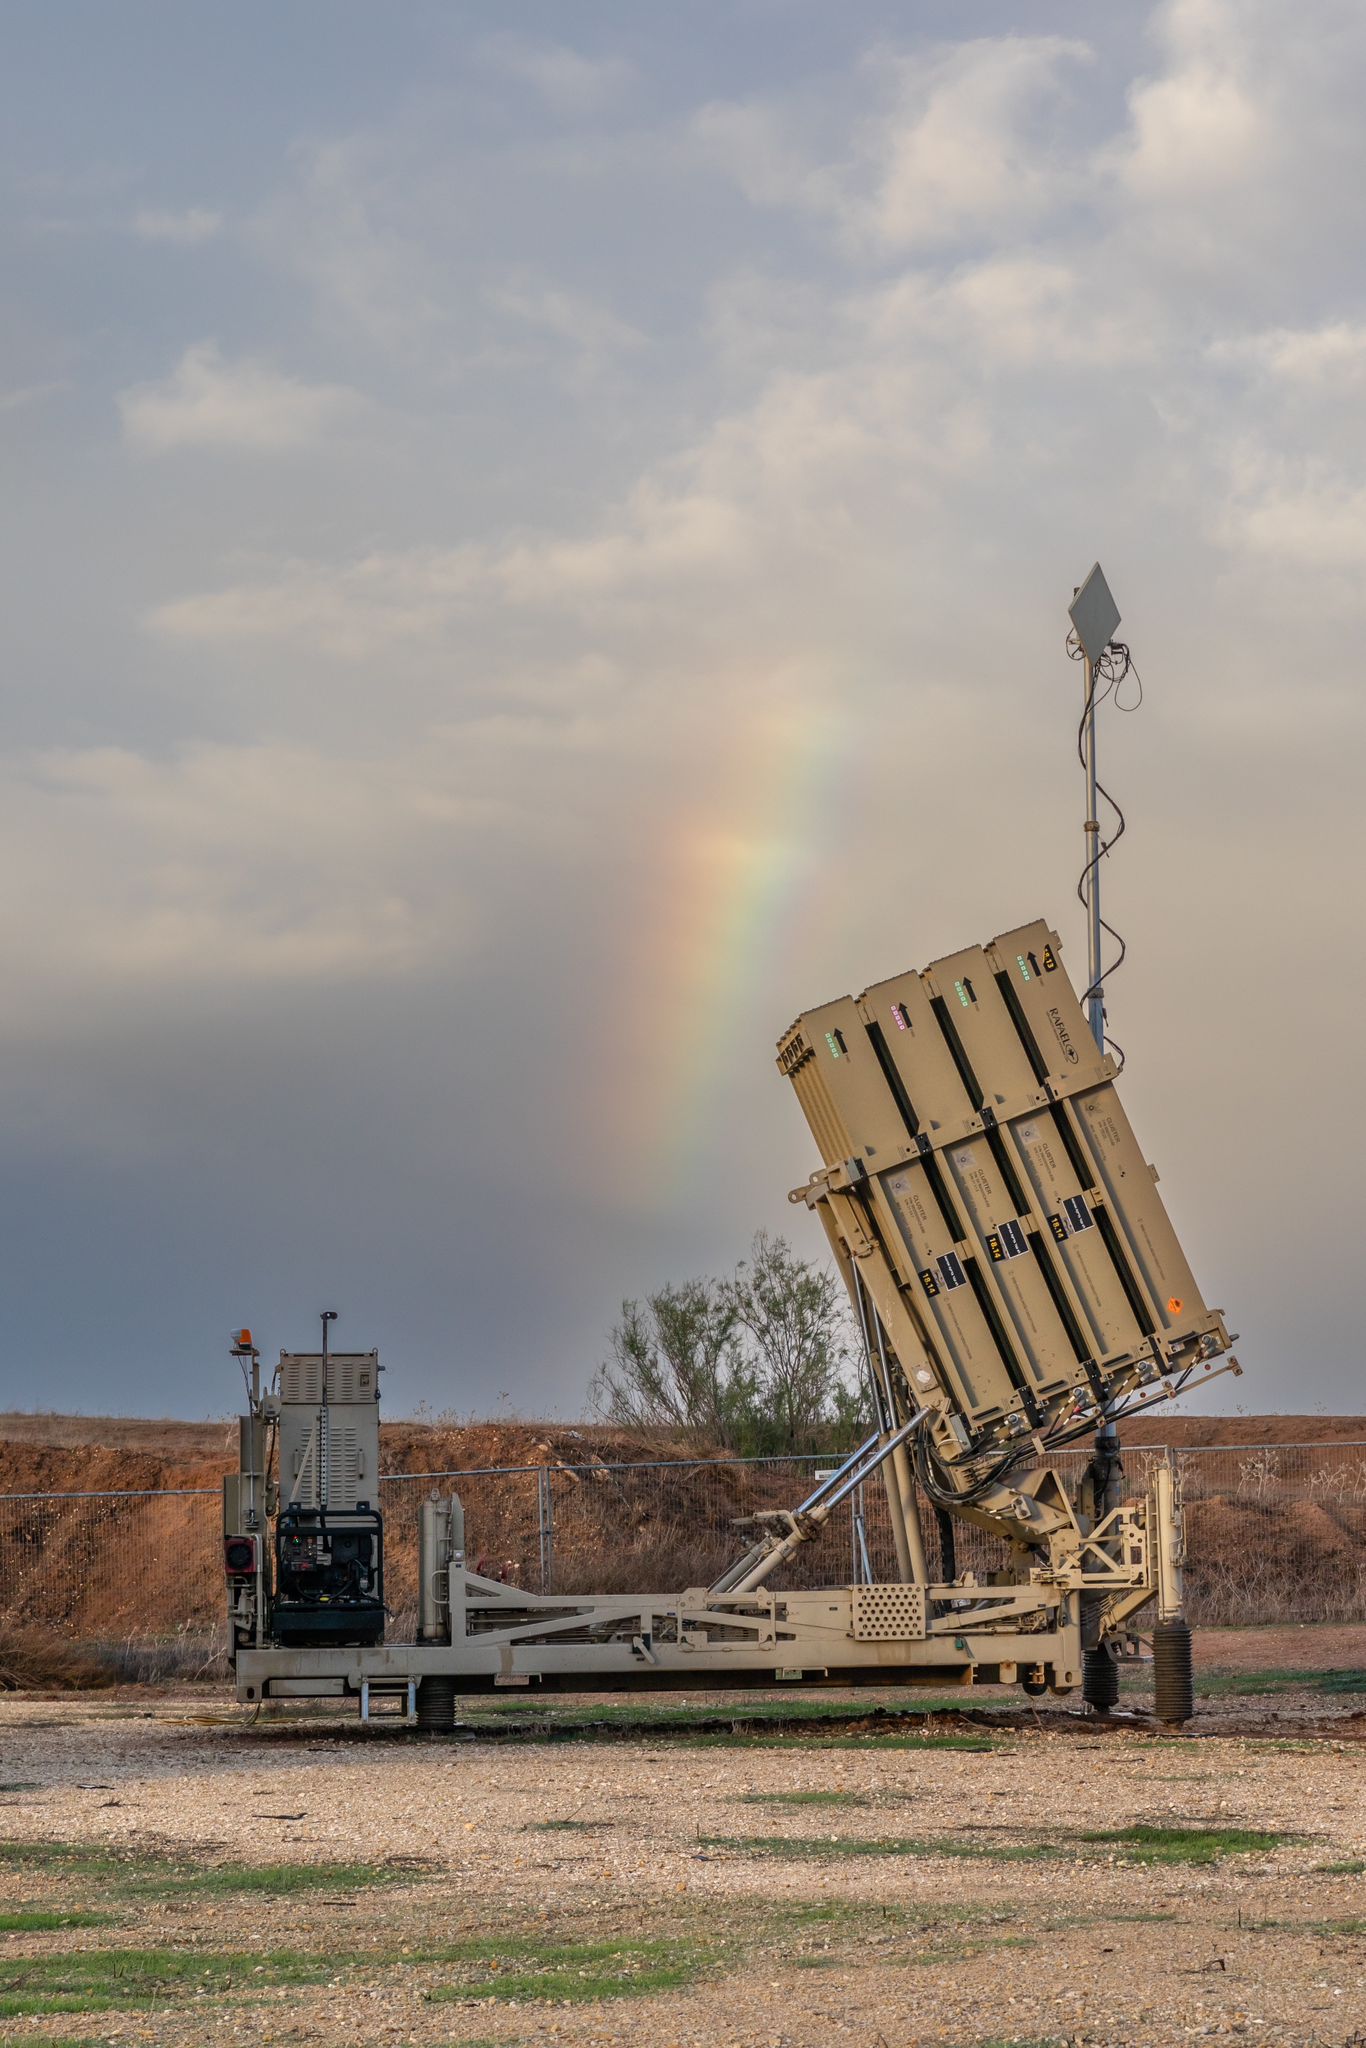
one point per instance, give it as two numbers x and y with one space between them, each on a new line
1107 677
946 1496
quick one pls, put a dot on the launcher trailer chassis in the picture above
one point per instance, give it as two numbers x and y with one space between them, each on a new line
1017 1285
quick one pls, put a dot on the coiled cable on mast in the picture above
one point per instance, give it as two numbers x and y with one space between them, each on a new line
1107 676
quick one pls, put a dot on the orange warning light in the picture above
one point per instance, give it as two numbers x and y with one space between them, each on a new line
1175 1305
241 1340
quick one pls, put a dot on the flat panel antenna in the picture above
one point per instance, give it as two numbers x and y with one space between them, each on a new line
1094 614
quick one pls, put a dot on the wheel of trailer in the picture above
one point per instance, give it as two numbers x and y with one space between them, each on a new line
1035 1687
436 1705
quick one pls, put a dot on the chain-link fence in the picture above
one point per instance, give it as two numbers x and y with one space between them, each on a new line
1274 1534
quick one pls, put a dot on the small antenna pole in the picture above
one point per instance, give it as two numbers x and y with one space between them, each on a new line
326 1316
1095 616
1095 1002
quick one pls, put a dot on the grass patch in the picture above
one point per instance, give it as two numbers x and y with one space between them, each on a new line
1142 1844
1138 1844
1352 1869
124 1979
964 1951
855 1921
76 1858
803 1799
765 1720
45 1923
797 1738
653 1720
150 1876
1034 2041
576 1972
566 1827
272 1880
1236 1683
805 1847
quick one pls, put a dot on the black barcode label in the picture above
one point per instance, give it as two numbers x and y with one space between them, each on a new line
1008 1242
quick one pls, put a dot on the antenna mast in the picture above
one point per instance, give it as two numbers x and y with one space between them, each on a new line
1095 616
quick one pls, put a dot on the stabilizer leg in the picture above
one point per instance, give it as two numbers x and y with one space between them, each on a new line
436 1705
1173 1673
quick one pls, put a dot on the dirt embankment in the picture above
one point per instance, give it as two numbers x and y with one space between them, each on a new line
1188 1432
118 1454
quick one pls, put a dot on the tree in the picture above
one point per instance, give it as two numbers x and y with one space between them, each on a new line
676 1364
755 1364
794 1317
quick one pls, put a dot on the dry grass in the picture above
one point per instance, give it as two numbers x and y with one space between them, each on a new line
37 1659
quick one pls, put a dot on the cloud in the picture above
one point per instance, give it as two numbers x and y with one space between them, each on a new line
1305 515
767 150
358 227
1016 312
969 145
1242 153
593 332
261 863
1207 123
208 402
956 141
1311 358
23 395
568 82
351 611
556 699
186 230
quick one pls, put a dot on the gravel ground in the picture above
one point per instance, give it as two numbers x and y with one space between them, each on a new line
661 1838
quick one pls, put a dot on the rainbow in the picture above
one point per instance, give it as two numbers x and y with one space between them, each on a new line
729 889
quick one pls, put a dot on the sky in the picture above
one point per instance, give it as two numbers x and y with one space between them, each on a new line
536 547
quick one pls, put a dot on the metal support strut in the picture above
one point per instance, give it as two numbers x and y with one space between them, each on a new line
786 1530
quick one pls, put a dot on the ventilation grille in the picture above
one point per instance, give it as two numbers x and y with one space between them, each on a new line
344 1466
888 1614
351 1376
301 1380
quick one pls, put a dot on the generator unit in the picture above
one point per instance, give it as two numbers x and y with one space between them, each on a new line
325 1582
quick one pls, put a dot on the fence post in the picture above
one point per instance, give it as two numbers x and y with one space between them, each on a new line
545 1516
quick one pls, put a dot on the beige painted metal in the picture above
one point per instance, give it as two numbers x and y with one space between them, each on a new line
1168 1541
980 1173
503 1636
1017 1280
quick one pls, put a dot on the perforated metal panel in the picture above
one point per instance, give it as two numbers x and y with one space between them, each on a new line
888 1614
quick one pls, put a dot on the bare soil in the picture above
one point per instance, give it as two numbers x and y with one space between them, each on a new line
789 1891
1309 1647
